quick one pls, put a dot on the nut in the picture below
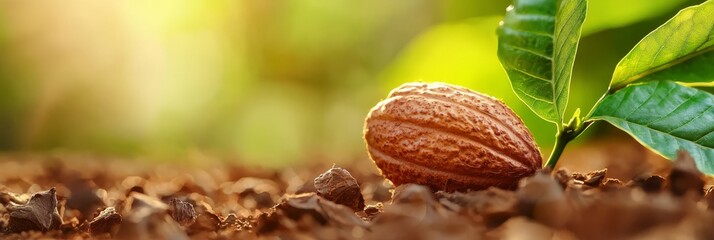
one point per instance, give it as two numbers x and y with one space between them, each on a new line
449 138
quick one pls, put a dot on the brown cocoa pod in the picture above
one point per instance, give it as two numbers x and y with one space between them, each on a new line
449 138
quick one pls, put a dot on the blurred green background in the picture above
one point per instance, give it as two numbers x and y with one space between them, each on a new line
272 82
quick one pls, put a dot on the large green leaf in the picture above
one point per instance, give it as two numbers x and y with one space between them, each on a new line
680 50
537 41
666 117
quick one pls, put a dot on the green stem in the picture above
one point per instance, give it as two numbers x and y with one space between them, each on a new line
560 142
569 132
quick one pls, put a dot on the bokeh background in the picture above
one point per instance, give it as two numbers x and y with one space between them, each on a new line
269 82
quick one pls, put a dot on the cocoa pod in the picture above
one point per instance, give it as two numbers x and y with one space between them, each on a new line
449 138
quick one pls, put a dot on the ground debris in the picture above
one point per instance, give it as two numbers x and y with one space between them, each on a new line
231 202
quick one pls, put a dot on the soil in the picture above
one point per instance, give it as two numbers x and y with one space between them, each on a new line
82 197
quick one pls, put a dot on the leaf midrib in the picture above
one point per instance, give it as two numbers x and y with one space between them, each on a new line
555 95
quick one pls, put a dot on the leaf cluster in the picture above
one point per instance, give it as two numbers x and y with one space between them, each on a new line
652 94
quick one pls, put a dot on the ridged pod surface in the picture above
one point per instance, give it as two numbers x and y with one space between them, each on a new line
449 138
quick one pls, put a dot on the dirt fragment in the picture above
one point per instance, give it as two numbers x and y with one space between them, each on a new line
685 178
205 222
493 205
338 185
233 221
541 198
415 214
709 198
595 178
522 228
105 222
563 177
83 197
611 184
371 211
306 211
622 214
320 209
8 197
182 212
138 200
39 213
146 217
648 183
69 226
416 202
255 192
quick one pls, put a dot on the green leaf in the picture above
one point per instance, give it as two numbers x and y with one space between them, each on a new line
537 41
666 117
682 50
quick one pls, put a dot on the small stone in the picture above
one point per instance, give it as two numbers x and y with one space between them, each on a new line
338 185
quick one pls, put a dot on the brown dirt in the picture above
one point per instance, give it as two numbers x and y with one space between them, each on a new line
105 198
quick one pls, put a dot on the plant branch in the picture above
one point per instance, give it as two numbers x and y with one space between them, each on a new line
569 132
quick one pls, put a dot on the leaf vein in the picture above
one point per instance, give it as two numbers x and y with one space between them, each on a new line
692 119
531 51
530 74
534 97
